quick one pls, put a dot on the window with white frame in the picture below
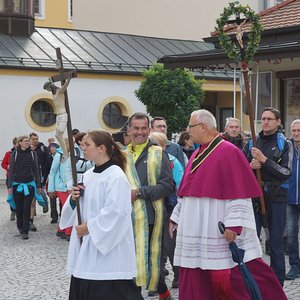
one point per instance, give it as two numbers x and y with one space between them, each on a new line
2 6
70 10
39 9
270 3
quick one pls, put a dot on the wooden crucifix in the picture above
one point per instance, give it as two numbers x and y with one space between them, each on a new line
242 53
63 116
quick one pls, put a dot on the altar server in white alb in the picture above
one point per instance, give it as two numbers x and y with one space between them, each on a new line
104 265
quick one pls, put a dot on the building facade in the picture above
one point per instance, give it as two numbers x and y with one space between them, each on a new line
189 20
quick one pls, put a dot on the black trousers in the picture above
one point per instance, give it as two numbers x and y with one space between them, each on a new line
83 289
23 204
53 208
169 246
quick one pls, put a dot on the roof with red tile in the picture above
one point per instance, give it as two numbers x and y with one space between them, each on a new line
285 14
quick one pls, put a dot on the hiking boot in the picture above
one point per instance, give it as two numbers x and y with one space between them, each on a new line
12 215
25 236
292 274
152 293
61 234
32 227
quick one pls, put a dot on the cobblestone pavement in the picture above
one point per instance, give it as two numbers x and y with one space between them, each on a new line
34 269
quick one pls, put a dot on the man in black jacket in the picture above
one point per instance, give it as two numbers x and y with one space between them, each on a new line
150 176
233 132
273 156
43 154
159 124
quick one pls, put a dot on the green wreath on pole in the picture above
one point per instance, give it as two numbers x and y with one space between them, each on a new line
254 36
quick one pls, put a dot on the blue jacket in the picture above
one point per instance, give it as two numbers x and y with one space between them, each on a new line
177 173
294 180
175 150
23 188
57 174
177 170
82 166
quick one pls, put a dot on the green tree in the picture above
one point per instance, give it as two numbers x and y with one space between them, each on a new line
172 94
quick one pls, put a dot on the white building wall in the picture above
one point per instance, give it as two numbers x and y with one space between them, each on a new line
182 19
85 96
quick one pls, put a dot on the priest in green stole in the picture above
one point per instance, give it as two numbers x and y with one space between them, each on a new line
149 173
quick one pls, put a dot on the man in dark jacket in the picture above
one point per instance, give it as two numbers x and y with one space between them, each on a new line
275 165
149 173
233 133
159 124
293 208
43 154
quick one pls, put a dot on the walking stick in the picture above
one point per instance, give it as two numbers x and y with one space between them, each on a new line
61 77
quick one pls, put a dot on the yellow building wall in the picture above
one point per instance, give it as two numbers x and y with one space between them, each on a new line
56 15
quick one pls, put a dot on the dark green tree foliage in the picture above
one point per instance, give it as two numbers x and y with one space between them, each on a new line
172 94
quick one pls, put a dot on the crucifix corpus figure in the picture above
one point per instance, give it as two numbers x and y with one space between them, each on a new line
239 33
61 114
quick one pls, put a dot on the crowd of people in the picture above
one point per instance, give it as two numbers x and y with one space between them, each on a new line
145 199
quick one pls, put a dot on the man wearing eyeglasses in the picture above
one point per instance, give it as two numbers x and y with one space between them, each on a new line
159 124
217 185
149 173
273 156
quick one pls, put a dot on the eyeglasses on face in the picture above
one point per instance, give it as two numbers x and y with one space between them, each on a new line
268 119
191 126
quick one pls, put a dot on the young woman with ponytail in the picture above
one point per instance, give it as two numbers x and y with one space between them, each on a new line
104 265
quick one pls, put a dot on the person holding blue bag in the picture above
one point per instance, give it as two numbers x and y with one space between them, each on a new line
24 182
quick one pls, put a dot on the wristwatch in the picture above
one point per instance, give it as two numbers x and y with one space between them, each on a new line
138 194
